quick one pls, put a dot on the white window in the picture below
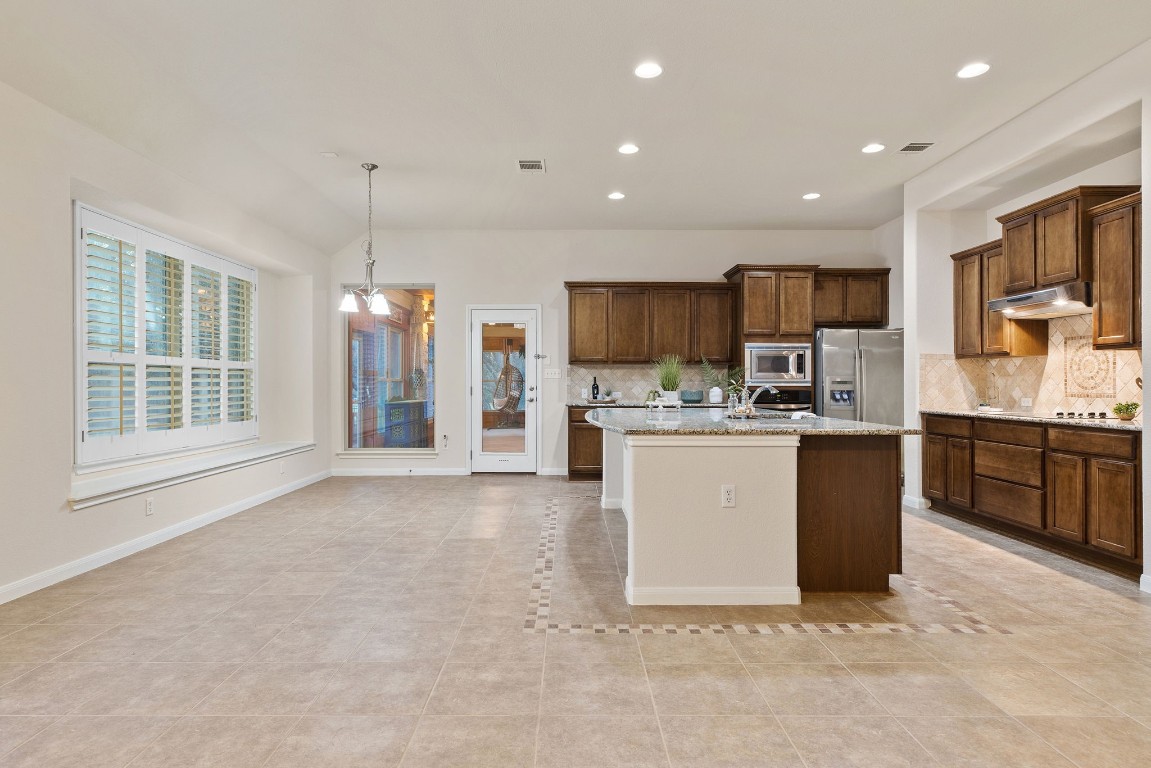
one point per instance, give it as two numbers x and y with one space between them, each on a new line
166 344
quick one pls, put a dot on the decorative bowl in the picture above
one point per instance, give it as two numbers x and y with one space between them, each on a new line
691 395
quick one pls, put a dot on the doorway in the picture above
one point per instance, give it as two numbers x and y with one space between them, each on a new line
503 392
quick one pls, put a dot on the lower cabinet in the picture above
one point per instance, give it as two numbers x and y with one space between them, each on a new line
947 461
1067 496
1112 494
585 447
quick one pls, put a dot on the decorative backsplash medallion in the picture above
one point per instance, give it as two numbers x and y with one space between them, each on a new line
1087 372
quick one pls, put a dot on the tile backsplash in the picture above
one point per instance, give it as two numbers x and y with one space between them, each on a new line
633 382
1072 376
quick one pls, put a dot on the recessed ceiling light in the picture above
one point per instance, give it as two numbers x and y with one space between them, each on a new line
648 70
616 196
329 155
974 69
811 196
873 148
628 149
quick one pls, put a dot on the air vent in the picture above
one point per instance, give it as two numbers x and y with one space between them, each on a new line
916 147
532 166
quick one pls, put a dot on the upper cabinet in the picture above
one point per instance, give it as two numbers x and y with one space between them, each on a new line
851 297
639 322
776 302
981 273
1116 249
1050 242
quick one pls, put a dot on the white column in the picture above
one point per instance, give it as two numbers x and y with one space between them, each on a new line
611 496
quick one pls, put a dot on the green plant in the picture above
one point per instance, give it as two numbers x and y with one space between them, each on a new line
734 384
1125 409
670 371
730 380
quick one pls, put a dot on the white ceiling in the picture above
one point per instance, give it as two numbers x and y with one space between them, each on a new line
760 101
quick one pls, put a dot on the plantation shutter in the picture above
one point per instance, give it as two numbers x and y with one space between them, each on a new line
110 293
241 397
205 396
205 313
110 399
164 395
240 340
163 305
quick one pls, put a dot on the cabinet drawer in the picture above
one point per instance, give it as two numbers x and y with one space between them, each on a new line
943 425
1003 432
1009 501
1116 444
1013 463
576 415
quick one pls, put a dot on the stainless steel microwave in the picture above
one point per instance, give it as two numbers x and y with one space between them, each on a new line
775 364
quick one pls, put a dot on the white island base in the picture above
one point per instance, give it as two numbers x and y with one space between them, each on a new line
684 548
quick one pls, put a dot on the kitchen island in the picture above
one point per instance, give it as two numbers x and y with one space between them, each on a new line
816 504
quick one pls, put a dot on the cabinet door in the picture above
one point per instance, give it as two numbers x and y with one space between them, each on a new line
995 325
1019 254
969 306
1067 496
1111 505
959 471
587 325
630 325
671 323
796 304
715 326
830 298
1057 243
760 304
866 299
1115 288
935 467
585 448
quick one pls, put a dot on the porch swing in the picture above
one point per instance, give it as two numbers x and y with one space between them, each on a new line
506 395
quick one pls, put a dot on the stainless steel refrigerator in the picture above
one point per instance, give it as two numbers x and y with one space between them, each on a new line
859 374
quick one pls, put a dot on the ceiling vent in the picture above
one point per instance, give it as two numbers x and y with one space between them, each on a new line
532 166
916 147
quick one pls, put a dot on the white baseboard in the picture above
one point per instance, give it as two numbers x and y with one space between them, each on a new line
711 595
52 576
552 471
398 471
607 503
1145 582
916 502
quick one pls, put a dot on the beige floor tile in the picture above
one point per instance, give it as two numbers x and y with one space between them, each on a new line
843 742
378 688
977 648
497 643
1125 686
156 689
348 609
185 609
472 742
781 649
582 608
216 742
487 689
728 742
220 641
1031 689
672 614
88 742
596 689
344 742
592 648
592 742
44 642
813 689
445 607
129 642
267 609
849 648
7 629
918 688
1063 644
9 671
687 649
57 689
37 607
295 583
14 731
835 608
982 742
261 688
503 607
755 614
1099 742
704 689
407 641
313 642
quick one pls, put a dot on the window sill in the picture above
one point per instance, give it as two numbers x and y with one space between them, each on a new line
99 490
388 453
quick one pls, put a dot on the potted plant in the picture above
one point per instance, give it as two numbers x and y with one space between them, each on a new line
729 381
670 371
1126 411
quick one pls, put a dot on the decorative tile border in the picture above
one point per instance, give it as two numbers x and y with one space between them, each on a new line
539 608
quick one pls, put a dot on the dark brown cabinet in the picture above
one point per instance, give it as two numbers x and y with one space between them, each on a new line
1112 496
1117 247
980 274
714 312
851 297
585 447
671 323
628 325
1050 242
947 460
969 305
776 302
1067 496
588 325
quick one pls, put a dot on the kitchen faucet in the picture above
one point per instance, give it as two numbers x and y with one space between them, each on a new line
761 390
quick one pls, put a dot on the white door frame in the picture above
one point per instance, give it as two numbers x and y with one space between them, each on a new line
530 360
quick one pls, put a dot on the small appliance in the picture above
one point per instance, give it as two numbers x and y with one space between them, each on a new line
777 364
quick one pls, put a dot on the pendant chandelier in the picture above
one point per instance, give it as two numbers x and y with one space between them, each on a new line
373 297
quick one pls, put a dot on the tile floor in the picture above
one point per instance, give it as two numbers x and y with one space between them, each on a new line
480 622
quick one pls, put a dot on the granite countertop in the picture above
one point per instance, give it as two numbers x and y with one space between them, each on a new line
637 404
1135 425
714 421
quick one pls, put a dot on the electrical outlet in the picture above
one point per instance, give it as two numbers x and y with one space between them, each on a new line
1025 402
281 467
552 373
149 506
727 495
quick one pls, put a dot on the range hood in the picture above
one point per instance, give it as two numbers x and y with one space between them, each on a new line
1060 301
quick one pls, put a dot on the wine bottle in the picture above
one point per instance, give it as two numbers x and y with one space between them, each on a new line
594 389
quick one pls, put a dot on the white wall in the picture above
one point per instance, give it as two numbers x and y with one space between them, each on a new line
530 267
45 161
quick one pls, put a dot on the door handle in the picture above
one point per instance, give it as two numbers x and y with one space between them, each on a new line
531 389
531 399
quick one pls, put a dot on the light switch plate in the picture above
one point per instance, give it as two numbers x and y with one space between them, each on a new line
552 373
